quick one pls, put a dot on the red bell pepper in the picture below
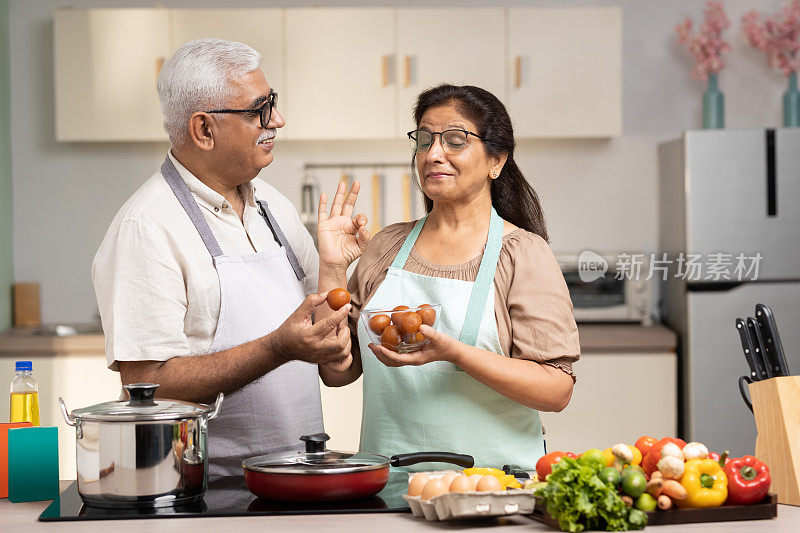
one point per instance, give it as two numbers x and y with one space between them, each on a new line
650 460
545 464
748 480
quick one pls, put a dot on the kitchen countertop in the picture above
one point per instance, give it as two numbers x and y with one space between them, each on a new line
43 341
594 338
626 338
23 517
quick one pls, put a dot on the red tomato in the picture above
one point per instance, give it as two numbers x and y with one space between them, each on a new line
545 465
644 444
654 454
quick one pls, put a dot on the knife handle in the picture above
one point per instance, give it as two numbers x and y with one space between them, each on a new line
766 319
747 347
760 354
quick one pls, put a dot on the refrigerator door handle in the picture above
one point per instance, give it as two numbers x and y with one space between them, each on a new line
772 178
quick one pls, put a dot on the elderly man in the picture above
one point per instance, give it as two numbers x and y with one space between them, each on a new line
206 279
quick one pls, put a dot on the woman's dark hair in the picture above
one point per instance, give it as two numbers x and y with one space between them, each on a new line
512 196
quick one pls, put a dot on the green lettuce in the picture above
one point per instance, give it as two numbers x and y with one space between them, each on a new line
577 497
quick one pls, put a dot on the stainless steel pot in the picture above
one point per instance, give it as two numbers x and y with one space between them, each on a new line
142 453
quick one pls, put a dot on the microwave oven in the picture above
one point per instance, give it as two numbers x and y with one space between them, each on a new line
608 287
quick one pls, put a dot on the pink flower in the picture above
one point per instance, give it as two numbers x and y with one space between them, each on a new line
778 37
707 46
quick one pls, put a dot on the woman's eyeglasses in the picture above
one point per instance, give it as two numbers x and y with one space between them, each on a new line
264 111
453 140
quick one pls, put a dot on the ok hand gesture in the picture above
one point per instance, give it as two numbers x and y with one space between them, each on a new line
342 239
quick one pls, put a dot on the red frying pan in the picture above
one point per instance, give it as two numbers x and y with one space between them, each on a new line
320 475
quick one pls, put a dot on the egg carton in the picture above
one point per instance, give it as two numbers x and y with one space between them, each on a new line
454 505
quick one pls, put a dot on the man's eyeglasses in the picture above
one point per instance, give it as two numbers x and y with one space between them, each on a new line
453 140
264 111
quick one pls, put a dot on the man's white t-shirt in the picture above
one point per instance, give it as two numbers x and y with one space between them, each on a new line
156 285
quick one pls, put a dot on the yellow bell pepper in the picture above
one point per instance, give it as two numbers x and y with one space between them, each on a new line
510 482
705 482
506 480
637 455
496 472
609 457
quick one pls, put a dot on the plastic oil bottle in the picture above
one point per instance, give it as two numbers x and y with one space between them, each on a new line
24 395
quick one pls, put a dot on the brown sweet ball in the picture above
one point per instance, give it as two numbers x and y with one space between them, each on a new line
427 314
391 336
413 338
396 316
378 323
409 322
338 298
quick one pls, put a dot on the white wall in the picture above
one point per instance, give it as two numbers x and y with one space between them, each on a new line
596 194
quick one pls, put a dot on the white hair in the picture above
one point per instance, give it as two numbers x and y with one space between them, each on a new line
197 78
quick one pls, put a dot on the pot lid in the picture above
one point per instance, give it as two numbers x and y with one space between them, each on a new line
315 460
142 407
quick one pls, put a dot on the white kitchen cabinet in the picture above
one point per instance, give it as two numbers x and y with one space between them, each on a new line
261 29
106 65
565 71
618 398
349 73
457 46
339 81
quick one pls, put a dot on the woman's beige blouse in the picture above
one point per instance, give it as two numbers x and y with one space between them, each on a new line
532 304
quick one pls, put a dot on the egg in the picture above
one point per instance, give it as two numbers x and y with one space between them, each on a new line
378 323
417 483
474 480
396 316
391 336
427 314
434 488
448 478
409 322
338 298
488 483
463 484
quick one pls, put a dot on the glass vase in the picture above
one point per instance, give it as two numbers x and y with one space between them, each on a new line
791 104
713 105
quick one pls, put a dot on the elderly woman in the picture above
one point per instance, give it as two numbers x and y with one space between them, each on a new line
506 350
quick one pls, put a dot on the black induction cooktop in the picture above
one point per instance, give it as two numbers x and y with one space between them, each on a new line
229 496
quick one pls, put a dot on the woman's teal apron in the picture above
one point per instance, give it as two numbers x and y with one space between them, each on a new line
437 406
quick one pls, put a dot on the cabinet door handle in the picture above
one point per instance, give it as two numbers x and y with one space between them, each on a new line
385 70
517 72
407 80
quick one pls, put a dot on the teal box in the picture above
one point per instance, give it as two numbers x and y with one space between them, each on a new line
32 464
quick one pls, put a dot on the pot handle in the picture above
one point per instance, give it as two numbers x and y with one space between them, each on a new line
67 417
405 459
212 412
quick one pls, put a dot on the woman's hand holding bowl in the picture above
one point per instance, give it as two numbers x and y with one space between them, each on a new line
440 347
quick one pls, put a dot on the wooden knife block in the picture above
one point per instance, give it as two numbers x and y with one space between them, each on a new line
776 406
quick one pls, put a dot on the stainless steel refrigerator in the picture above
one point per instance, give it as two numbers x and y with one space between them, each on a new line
727 193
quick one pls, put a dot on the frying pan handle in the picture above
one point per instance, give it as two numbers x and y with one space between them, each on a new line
406 459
